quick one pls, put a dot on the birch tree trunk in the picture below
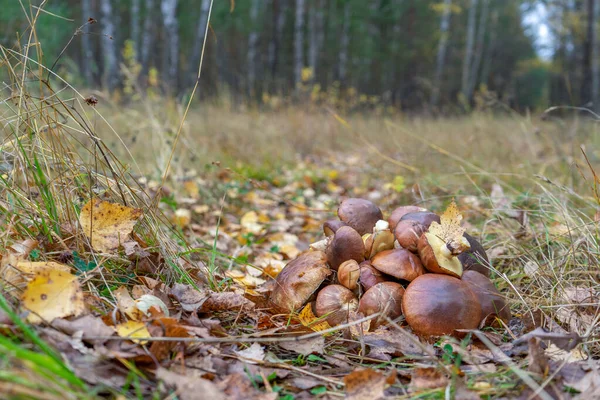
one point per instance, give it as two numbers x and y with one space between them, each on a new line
344 45
148 36
279 14
298 42
595 61
194 61
251 63
316 35
87 56
479 48
491 48
441 53
466 69
109 47
169 14
135 26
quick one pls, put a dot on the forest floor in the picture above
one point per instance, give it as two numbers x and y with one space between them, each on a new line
166 295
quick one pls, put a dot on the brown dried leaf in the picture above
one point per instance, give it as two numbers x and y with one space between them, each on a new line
190 387
563 341
306 346
188 297
126 304
427 378
88 325
396 342
108 225
365 384
226 301
252 354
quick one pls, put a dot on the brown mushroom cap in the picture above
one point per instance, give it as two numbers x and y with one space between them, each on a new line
298 280
436 304
334 302
492 302
360 214
423 217
434 259
401 211
385 297
331 226
348 274
408 232
399 263
475 258
370 276
347 244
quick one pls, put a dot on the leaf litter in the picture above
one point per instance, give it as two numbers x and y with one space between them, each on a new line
224 342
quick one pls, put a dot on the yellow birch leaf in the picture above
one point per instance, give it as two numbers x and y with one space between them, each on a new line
132 330
126 304
449 229
308 319
107 225
52 294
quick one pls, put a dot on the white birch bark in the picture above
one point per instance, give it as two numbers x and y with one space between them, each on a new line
298 42
467 60
441 53
169 13
109 46
148 36
479 48
194 61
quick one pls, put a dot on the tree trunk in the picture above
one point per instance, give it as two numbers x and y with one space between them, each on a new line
148 36
479 48
344 45
441 53
171 56
468 51
109 46
595 61
194 61
487 62
588 49
251 63
298 42
316 35
87 55
274 55
135 26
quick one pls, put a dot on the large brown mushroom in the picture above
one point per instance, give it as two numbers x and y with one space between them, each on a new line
399 263
475 258
347 244
436 304
386 298
411 226
370 276
493 304
400 212
437 257
334 302
298 280
360 214
348 274
331 226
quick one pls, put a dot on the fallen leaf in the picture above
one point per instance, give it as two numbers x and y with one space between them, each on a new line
133 330
537 360
188 297
306 346
88 325
226 301
190 387
52 294
449 229
107 225
563 341
308 319
126 304
304 383
168 327
250 223
396 342
364 384
427 378
252 354
148 301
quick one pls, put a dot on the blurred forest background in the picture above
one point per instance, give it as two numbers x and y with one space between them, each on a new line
418 55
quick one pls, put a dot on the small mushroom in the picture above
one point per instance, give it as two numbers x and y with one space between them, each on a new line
348 274
386 298
298 280
360 214
437 257
475 258
493 304
347 244
411 226
370 276
436 304
399 263
334 302
331 226
400 212
381 239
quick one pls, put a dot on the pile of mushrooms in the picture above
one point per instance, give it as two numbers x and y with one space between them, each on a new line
414 264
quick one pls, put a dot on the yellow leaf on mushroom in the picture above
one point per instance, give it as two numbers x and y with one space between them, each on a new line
107 225
450 230
52 294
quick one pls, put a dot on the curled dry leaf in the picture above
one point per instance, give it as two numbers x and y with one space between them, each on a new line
365 384
188 297
88 325
190 387
252 354
427 378
52 294
226 301
563 341
308 319
305 347
397 343
126 304
108 225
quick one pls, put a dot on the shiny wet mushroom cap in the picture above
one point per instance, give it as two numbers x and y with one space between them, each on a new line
492 302
400 212
360 214
331 226
384 298
436 304
334 303
298 280
346 245
475 258
399 263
